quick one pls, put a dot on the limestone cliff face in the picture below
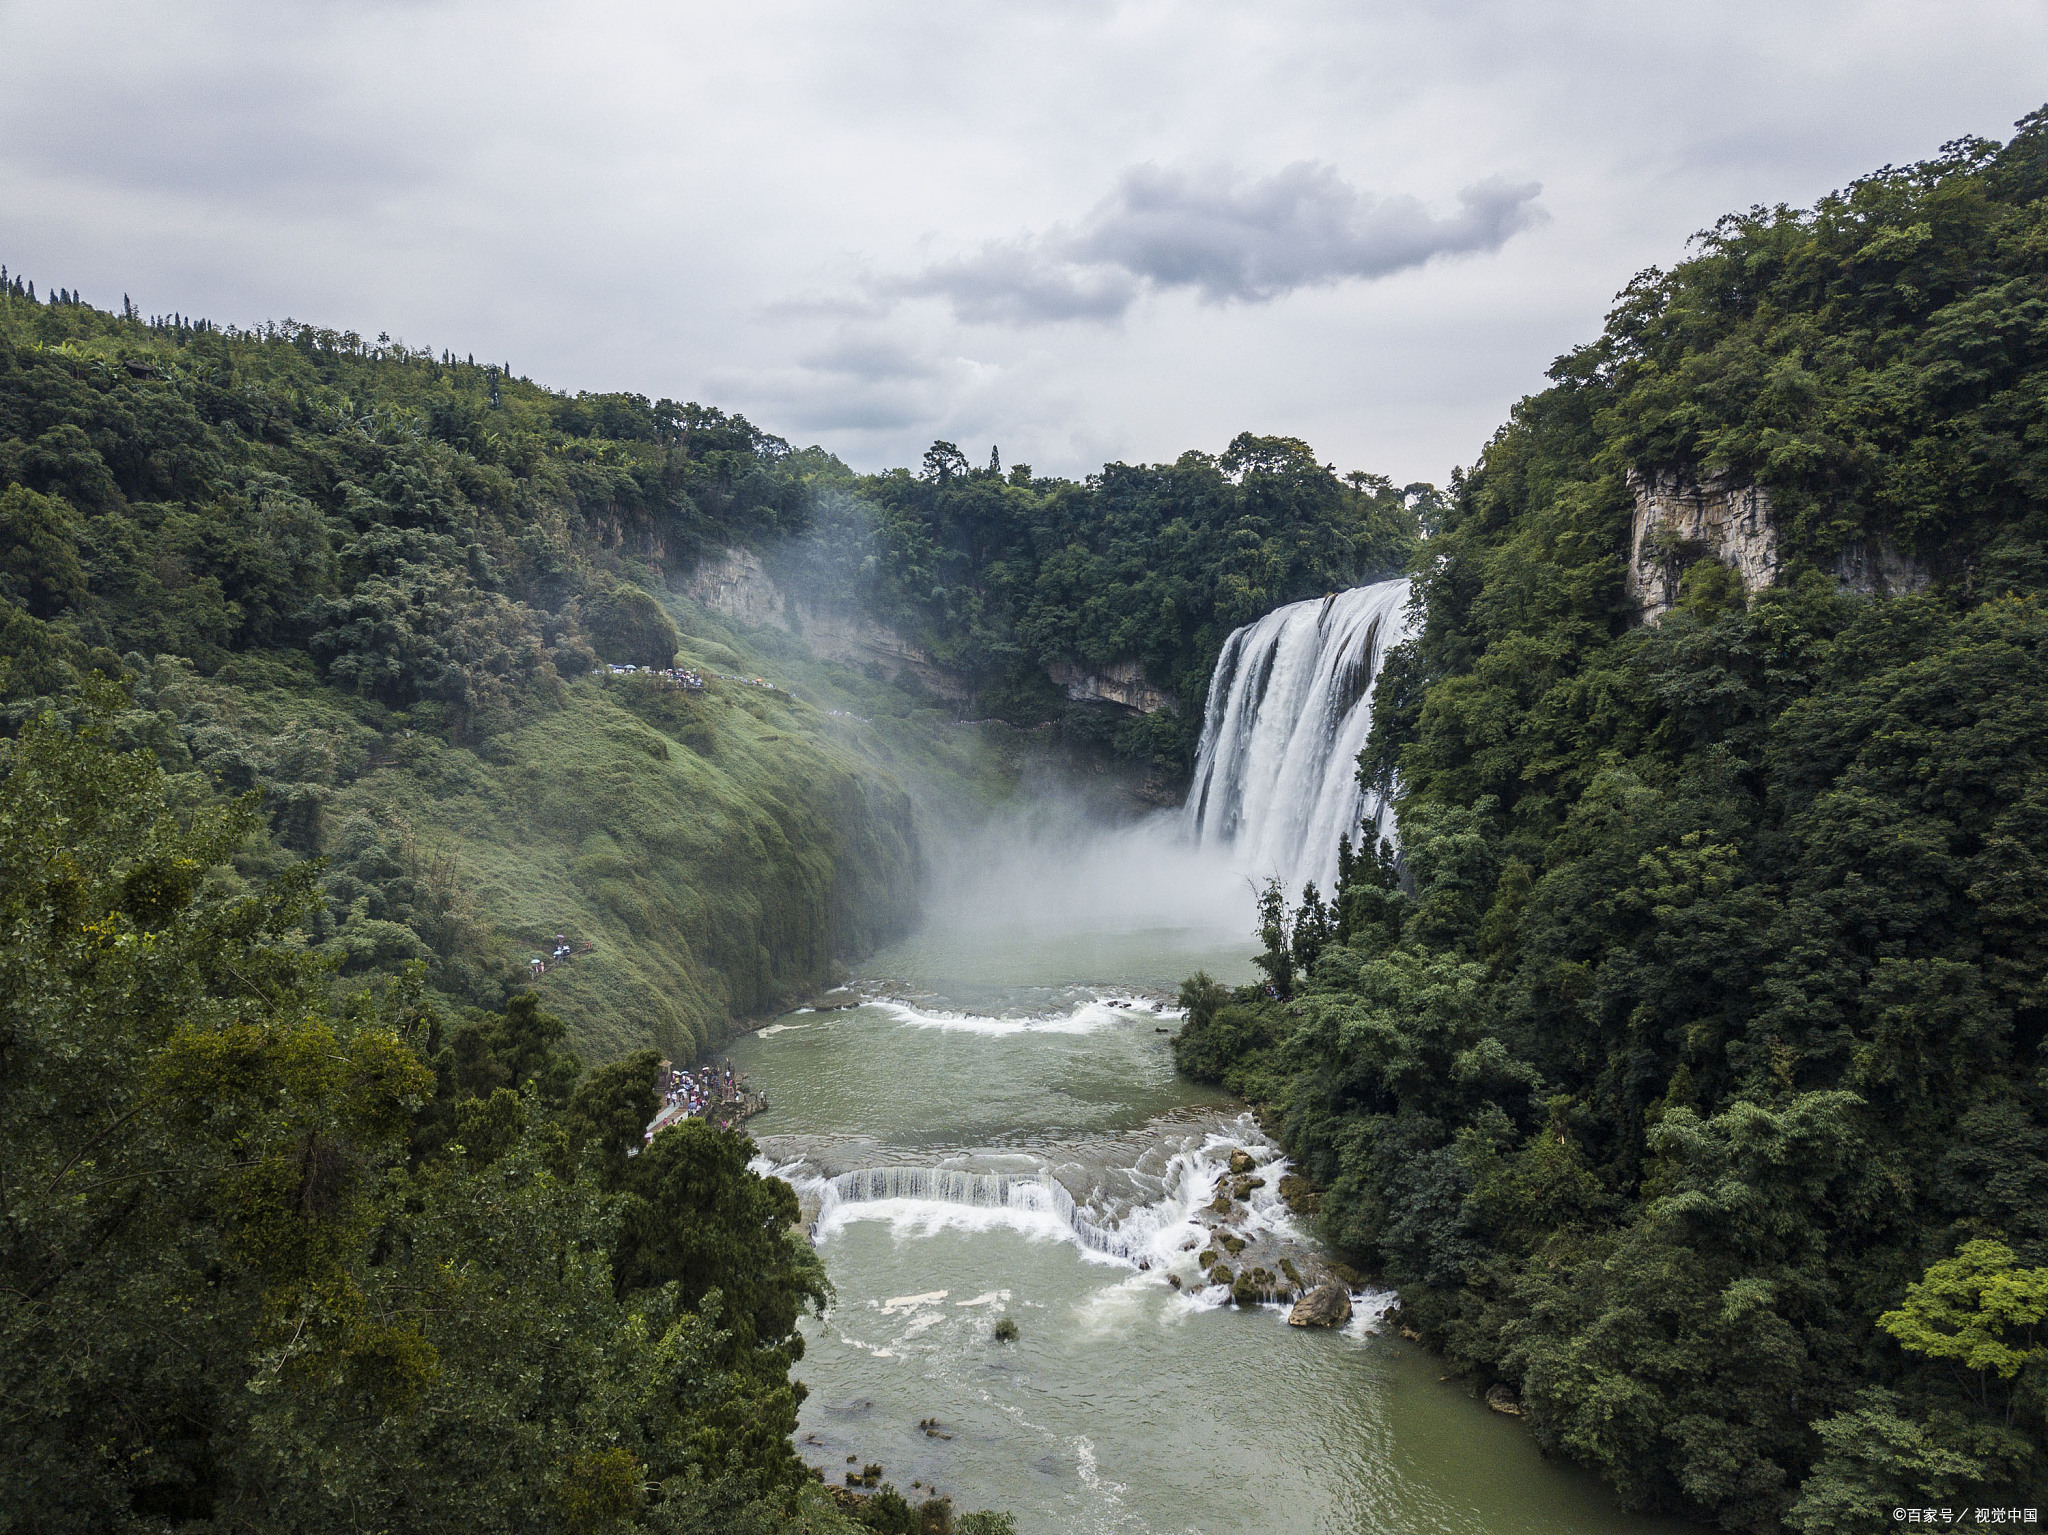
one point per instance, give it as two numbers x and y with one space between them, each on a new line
1679 518
832 635
1874 567
1121 683
734 584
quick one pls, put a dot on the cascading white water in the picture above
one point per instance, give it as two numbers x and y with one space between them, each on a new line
1290 706
1164 1216
1038 1192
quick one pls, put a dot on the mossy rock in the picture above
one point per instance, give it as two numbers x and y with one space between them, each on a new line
1293 1274
1209 1258
1241 1162
1299 1194
1220 1205
1006 1330
1235 1244
1221 1275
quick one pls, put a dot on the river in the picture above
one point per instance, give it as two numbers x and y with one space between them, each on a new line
988 1124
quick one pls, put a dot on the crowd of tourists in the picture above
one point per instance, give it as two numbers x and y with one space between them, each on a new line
674 676
696 1091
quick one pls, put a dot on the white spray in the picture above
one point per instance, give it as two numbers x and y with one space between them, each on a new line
1290 707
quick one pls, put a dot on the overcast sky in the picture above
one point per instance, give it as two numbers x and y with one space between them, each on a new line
1079 231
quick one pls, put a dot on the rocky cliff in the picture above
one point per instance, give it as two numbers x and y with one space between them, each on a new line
1680 518
1121 683
735 584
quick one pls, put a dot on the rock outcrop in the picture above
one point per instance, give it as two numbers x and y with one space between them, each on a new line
1680 518
1122 683
1327 1305
1873 567
1501 1399
734 584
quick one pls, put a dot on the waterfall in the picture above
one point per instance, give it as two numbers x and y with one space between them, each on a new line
1035 1191
1290 706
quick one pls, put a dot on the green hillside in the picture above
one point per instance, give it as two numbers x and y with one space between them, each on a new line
1691 1078
375 586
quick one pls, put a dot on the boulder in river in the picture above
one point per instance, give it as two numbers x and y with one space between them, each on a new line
1241 1162
1299 1194
1501 1399
1327 1305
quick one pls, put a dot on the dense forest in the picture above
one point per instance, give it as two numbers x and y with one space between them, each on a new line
315 1208
1006 577
1688 1071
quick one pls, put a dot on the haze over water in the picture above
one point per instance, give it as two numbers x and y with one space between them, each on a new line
1017 1040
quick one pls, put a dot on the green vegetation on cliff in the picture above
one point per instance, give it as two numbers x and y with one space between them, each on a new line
1690 1078
374 584
269 1263
1004 578
310 1214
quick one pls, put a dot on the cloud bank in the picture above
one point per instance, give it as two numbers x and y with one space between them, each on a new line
870 226
1225 237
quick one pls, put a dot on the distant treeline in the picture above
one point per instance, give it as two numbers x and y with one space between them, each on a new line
444 537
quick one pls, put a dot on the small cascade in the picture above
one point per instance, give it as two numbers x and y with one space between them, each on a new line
1290 707
1171 1210
1037 1192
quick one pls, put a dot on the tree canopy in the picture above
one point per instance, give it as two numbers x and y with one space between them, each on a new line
1690 1078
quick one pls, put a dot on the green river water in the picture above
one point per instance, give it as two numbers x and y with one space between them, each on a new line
1017 1045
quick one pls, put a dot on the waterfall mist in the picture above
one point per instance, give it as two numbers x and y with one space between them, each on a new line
1290 707
1059 868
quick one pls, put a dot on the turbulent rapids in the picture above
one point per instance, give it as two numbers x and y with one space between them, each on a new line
1290 706
1153 1202
1037 1192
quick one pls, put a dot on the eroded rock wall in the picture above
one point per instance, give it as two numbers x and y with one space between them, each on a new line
1679 519
1122 683
734 584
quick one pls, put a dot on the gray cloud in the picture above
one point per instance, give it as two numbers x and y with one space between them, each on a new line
630 195
1221 235
868 358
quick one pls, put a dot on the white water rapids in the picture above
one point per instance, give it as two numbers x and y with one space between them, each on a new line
1290 707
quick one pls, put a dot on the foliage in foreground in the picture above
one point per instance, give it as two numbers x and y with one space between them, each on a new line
268 1263
1690 1077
